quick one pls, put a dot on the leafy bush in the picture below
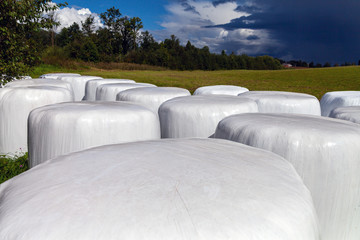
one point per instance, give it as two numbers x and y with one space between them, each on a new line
12 166
19 22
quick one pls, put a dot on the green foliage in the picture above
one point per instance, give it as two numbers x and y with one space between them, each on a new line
12 166
20 22
89 52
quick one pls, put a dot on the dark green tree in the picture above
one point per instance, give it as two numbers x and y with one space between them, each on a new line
88 27
129 30
147 41
113 21
88 51
20 20
103 44
327 64
125 35
135 25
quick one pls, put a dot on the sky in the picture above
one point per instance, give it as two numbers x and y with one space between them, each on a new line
309 30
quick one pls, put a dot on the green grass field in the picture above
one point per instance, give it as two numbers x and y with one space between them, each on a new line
314 81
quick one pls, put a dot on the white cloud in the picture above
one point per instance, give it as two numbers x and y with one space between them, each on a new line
223 34
221 14
67 16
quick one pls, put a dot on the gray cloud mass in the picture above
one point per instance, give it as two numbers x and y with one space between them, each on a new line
319 31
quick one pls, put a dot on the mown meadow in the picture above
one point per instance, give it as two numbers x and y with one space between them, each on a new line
314 81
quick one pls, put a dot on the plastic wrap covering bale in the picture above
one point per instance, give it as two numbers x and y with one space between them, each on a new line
108 92
324 151
91 86
284 102
220 89
57 75
63 128
2 84
18 78
332 100
78 84
198 116
15 106
40 82
152 97
206 189
351 114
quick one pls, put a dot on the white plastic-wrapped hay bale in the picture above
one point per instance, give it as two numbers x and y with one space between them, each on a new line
57 75
2 83
220 90
332 100
206 189
284 102
91 86
108 92
35 82
15 106
78 84
68 127
198 116
152 97
351 114
324 151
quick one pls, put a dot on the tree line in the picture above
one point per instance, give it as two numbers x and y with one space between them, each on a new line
300 63
121 40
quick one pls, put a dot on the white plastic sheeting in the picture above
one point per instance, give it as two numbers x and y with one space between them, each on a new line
221 90
351 114
2 84
332 100
78 84
198 116
57 75
167 189
15 106
284 102
324 151
40 82
108 92
152 97
91 86
63 128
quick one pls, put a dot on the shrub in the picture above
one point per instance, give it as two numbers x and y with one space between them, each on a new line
12 166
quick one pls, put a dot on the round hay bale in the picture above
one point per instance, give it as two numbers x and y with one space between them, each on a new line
166 189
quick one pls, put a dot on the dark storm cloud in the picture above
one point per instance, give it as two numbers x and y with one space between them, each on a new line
188 7
309 30
217 2
248 9
252 37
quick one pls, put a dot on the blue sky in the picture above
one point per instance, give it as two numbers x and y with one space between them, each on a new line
150 11
310 30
